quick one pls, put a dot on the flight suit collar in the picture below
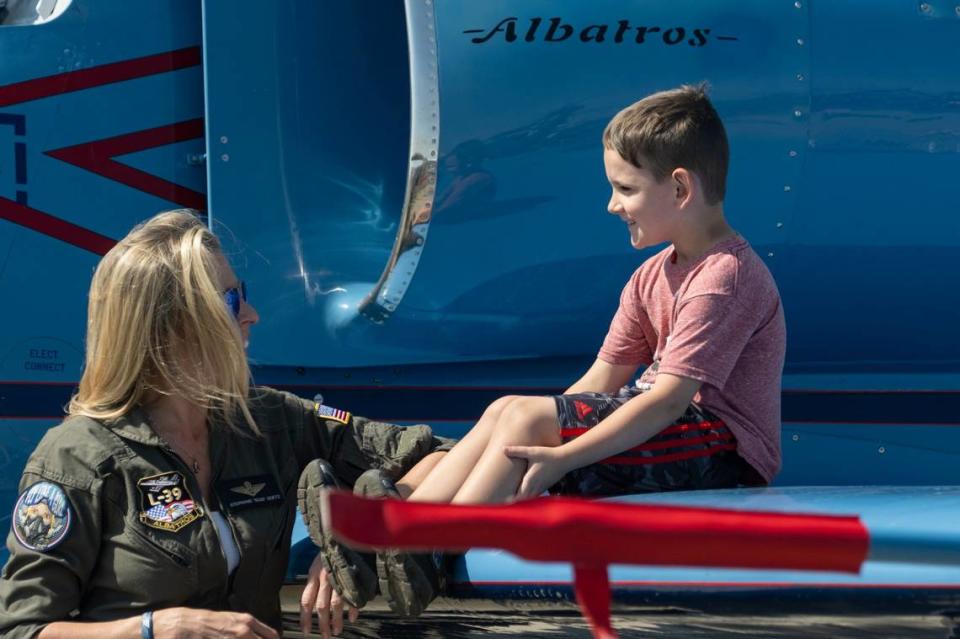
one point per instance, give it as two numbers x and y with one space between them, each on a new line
135 427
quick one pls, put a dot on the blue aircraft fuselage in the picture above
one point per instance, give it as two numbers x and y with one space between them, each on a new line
415 196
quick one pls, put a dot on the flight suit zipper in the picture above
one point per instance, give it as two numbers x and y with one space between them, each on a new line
225 513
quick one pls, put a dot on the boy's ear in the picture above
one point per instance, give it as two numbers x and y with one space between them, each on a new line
683 186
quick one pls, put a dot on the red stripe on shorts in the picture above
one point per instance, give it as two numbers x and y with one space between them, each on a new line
682 428
670 430
678 443
669 457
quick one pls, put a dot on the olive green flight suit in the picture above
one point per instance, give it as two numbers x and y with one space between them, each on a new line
140 535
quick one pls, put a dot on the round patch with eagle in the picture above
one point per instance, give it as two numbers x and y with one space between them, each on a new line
41 518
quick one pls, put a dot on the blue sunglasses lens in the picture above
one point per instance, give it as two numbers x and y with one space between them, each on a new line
233 296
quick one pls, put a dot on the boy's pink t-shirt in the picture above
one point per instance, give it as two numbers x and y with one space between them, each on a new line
719 321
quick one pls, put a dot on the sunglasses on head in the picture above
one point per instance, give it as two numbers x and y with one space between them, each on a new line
234 296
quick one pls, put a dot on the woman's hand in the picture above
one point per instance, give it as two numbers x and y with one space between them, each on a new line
191 623
545 466
320 596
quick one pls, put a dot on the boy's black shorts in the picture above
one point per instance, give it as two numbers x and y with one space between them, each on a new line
697 451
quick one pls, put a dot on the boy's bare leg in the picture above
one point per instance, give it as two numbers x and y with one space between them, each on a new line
416 475
527 421
446 478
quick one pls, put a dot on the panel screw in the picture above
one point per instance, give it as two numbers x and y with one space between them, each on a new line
925 7
792 154
797 4
770 254
225 157
881 450
956 10
800 77
787 188
796 438
798 113
800 41
779 225
224 139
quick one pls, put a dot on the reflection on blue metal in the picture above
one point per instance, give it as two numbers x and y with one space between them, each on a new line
382 301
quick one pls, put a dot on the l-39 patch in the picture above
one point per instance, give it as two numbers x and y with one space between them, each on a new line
166 502
42 517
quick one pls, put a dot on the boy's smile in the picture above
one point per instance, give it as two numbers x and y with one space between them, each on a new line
644 204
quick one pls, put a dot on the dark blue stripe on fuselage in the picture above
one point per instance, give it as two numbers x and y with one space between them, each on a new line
20 162
31 400
18 122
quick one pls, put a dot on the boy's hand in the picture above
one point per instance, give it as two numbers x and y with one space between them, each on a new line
545 466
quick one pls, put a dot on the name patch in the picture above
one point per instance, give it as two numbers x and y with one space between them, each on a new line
248 492
41 518
166 502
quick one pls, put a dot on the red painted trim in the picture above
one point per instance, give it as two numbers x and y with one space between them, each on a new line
590 532
54 227
592 589
670 457
81 79
97 157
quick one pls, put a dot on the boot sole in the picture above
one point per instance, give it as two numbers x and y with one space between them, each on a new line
401 578
352 576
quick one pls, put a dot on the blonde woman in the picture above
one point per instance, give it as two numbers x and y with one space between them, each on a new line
162 506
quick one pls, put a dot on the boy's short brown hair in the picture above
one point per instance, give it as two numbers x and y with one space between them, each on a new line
671 129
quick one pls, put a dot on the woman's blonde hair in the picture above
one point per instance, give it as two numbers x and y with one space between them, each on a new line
157 321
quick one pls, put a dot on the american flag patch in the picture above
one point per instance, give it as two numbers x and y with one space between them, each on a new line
329 412
159 513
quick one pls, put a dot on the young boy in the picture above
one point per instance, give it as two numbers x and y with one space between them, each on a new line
703 316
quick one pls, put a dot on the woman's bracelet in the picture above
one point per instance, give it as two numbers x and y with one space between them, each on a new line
146 625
